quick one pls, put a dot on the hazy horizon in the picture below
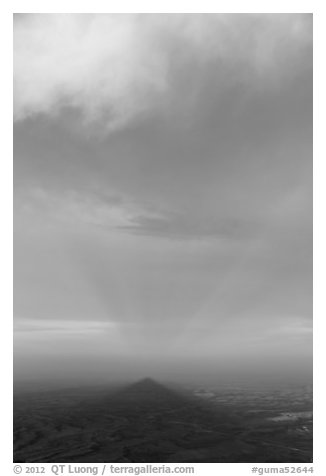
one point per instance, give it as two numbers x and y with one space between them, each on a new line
163 197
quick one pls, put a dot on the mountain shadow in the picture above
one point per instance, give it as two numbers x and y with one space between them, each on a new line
146 394
144 422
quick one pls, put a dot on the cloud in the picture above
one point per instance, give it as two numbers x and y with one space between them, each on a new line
105 211
115 68
186 235
75 327
180 226
112 212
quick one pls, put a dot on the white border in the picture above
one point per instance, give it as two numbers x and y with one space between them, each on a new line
6 248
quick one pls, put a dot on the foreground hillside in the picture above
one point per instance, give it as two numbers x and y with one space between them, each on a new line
148 422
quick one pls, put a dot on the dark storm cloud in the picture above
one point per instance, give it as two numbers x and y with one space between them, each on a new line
122 66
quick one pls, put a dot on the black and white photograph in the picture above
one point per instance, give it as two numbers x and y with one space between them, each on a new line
163 238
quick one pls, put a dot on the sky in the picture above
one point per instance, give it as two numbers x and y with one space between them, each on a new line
163 196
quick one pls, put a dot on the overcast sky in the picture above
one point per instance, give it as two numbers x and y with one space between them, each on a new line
163 194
